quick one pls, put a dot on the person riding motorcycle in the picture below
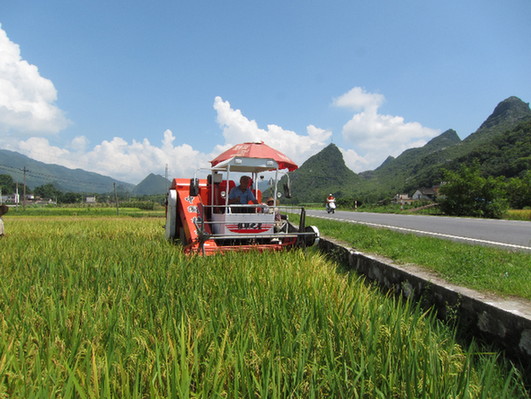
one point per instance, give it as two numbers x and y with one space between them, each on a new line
330 204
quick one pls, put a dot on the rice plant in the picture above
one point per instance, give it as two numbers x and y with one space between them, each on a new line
106 308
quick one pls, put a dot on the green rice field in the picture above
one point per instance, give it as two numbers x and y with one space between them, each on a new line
103 307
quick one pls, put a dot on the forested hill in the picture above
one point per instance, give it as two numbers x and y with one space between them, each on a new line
65 179
501 146
151 185
505 114
504 133
393 175
321 174
508 154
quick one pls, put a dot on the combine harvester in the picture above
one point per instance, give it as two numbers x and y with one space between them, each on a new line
198 212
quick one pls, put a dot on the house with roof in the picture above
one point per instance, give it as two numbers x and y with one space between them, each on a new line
402 199
426 194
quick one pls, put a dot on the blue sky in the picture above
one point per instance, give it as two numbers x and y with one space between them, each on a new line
123 88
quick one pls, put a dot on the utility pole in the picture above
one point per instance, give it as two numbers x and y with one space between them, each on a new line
116 198
24 190
166 172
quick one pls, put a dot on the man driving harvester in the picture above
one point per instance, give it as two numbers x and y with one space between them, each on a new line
242 194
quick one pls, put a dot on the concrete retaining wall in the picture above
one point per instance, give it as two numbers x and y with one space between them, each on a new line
504 323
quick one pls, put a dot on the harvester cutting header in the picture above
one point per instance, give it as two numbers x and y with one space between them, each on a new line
216 214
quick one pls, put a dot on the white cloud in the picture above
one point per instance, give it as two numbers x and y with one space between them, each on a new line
377 136
353 160
358 99
40 149
373 136
133 161
27 100
79 144
129 162
238 129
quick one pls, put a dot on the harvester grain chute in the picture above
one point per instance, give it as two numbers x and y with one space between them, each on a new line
199 215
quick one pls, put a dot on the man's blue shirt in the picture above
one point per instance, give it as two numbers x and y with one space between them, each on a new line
245 196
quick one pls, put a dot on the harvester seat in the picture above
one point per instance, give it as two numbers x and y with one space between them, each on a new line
258 195
224 186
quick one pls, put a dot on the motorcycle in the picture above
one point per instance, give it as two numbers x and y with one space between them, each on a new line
331 206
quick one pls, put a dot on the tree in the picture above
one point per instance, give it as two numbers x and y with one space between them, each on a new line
467 193
70 198
519 191
7 185
47 191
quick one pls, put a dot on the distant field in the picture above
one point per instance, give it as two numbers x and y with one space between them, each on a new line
83 211
103 306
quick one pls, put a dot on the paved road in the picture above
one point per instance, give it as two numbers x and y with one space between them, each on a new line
508 234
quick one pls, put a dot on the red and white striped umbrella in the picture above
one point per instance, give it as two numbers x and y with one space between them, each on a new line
256 150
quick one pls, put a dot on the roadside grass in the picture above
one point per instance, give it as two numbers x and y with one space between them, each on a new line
482 268
104 307
518 214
